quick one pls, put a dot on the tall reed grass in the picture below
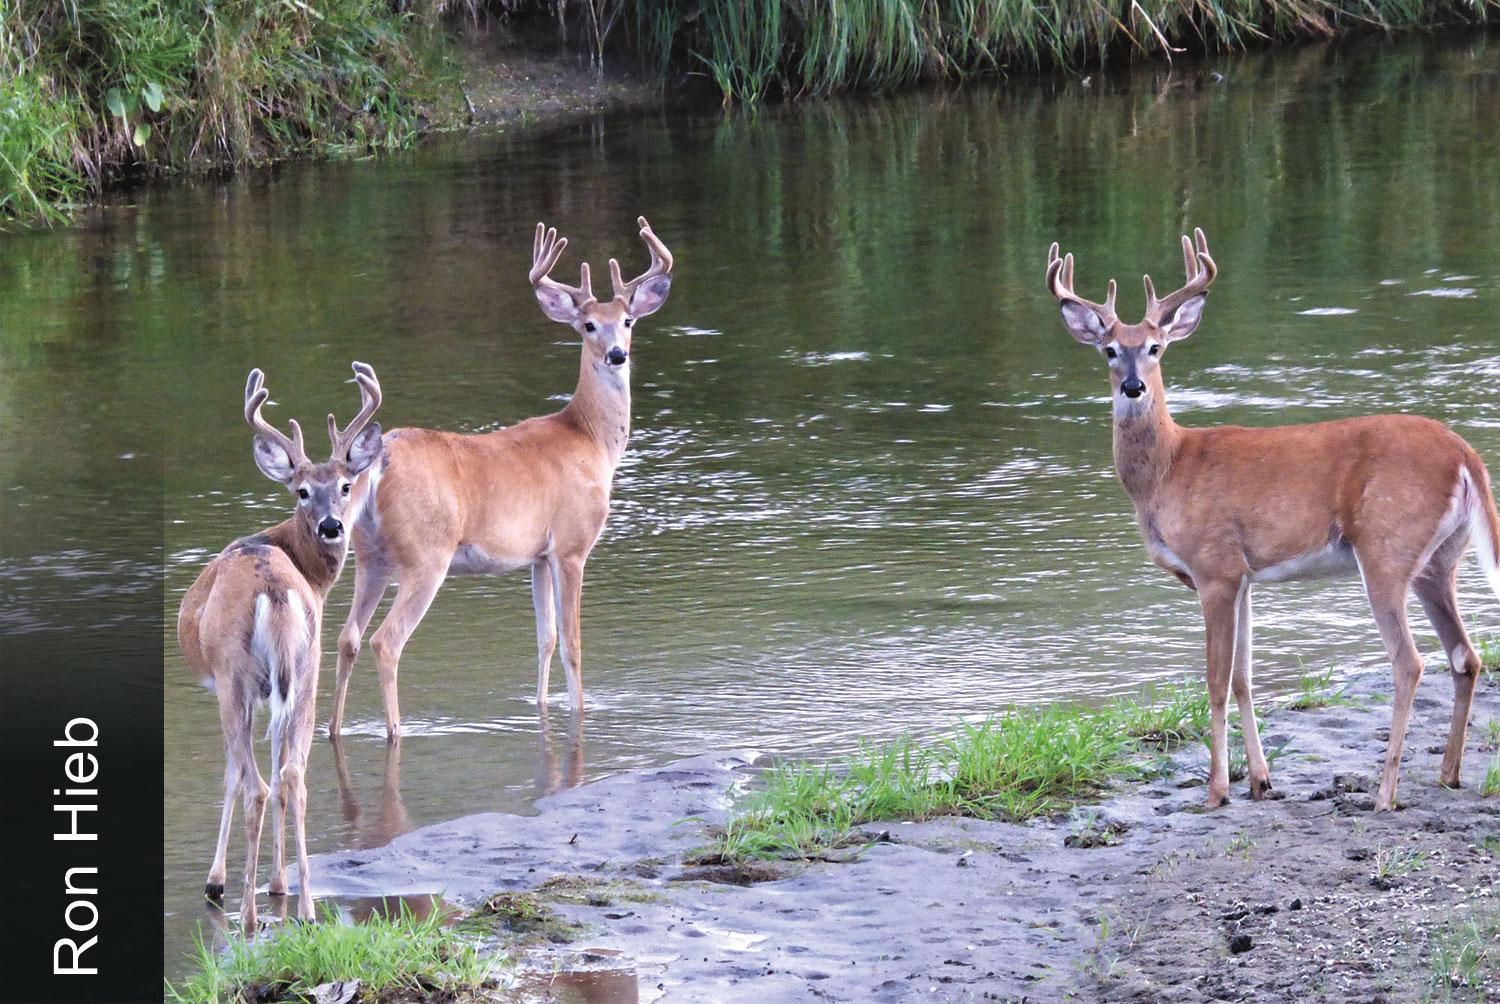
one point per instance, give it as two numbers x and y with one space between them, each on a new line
755 48
91 89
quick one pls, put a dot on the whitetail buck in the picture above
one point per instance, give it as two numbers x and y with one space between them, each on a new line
250 627
1395 499
533 494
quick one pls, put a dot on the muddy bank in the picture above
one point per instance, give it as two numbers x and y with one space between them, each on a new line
507 78
1308 895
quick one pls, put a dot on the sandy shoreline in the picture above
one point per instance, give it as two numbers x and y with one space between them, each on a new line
1282 900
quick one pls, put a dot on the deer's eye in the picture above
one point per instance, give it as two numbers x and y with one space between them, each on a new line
588 325
1110 353
302 493
345 488
629 321
1154 350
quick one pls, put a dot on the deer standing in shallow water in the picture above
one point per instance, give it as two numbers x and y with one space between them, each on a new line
250 626
534 494
1395 499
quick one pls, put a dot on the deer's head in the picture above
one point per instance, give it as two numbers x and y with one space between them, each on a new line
605 325
325 492
1134 350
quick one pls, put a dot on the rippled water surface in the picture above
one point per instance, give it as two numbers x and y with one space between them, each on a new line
869 486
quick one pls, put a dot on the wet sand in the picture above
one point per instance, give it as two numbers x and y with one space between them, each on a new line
1276 901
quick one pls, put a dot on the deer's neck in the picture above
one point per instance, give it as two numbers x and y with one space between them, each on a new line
1145 444
318 561
601 407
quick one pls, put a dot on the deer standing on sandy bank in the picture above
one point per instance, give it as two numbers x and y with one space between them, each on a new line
1395 499
534 494
250 627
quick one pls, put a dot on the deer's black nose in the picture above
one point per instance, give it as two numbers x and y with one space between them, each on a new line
330 528
1133 387
616 356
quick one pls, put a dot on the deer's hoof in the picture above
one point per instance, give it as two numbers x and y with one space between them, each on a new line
214 892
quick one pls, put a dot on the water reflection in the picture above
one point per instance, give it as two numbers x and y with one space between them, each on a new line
225 925
559 762
415 908
389 819
590 986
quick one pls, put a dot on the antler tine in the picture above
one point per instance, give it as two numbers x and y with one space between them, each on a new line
661 263
369 399
1201 271
546 249
256 395
1060 282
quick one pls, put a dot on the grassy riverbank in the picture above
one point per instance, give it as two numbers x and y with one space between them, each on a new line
1020 765
759 48
1136 894
93 90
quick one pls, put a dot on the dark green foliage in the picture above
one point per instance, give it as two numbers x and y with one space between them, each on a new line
90 89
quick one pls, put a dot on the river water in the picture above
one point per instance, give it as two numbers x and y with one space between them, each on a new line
869 486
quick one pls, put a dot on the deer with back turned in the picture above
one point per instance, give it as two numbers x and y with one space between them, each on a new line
1394 499
250 627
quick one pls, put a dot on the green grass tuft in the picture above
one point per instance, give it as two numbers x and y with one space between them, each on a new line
1490 786
1316 690
1166 716
1489 653
1397 861
415 956
1465 953
1018 765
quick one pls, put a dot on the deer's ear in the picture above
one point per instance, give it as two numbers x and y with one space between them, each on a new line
273 461
365 450
1083 324
1184 320
557 304
650 295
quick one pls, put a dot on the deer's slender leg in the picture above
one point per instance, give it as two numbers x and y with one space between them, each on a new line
279 792
418 587
371 578
1220 599
1436 589
237 716
233 777
1387 594
1255 757
544 602
255 792
294 781
569 587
